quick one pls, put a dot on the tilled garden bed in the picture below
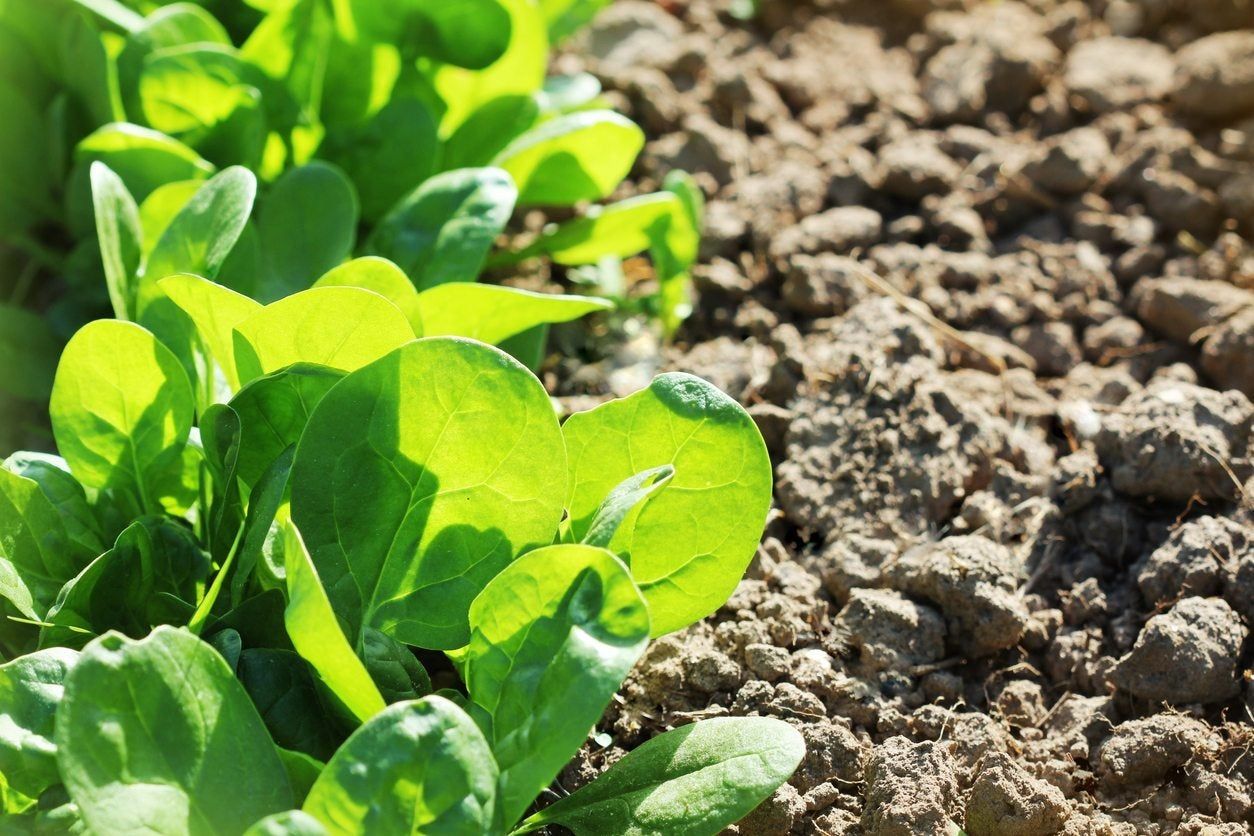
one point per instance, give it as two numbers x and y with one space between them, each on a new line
981 272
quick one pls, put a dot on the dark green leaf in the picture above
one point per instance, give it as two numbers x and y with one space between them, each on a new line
443 230
156 736
286 696
28 354
153 575
308 223
393 667
387 154
30 690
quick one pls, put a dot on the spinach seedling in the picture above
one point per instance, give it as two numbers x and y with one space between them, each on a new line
216 609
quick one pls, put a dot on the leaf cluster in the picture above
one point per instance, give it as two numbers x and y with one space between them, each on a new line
366 582
300 133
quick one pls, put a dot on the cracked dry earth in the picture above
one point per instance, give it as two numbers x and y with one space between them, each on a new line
1008 582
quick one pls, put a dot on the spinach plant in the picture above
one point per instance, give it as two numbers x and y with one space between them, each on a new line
300 133
219 598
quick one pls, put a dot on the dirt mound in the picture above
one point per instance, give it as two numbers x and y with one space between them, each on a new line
1008 585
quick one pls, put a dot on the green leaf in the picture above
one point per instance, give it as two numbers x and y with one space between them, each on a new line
121 412
292 44
490 128
28 354
286 696
274 410
493 314
565 17
694 780
156 736
215 310
302 771
142 157
552 638
518 72
340 327
190 91
308 223
316 634
160 208
203 233
419 478
152 575
121 238
386 154
619 230
393 667
466 33
291 823
172 25
580 156
624 499
418 767
264 505
220 433
30 690
52 474
381 276
443 230
689 546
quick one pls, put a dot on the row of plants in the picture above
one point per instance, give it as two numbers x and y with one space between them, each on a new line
212 607
315 554
408 129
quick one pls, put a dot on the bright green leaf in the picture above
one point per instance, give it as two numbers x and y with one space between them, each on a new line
419 478
493 314
316 633
203 233
689 546
619 230
340 327
580 156
622 501
216 311
384 278
552 638
52 474
121 238
121 412
291 823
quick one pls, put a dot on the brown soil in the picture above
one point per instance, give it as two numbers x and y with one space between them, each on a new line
982 273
